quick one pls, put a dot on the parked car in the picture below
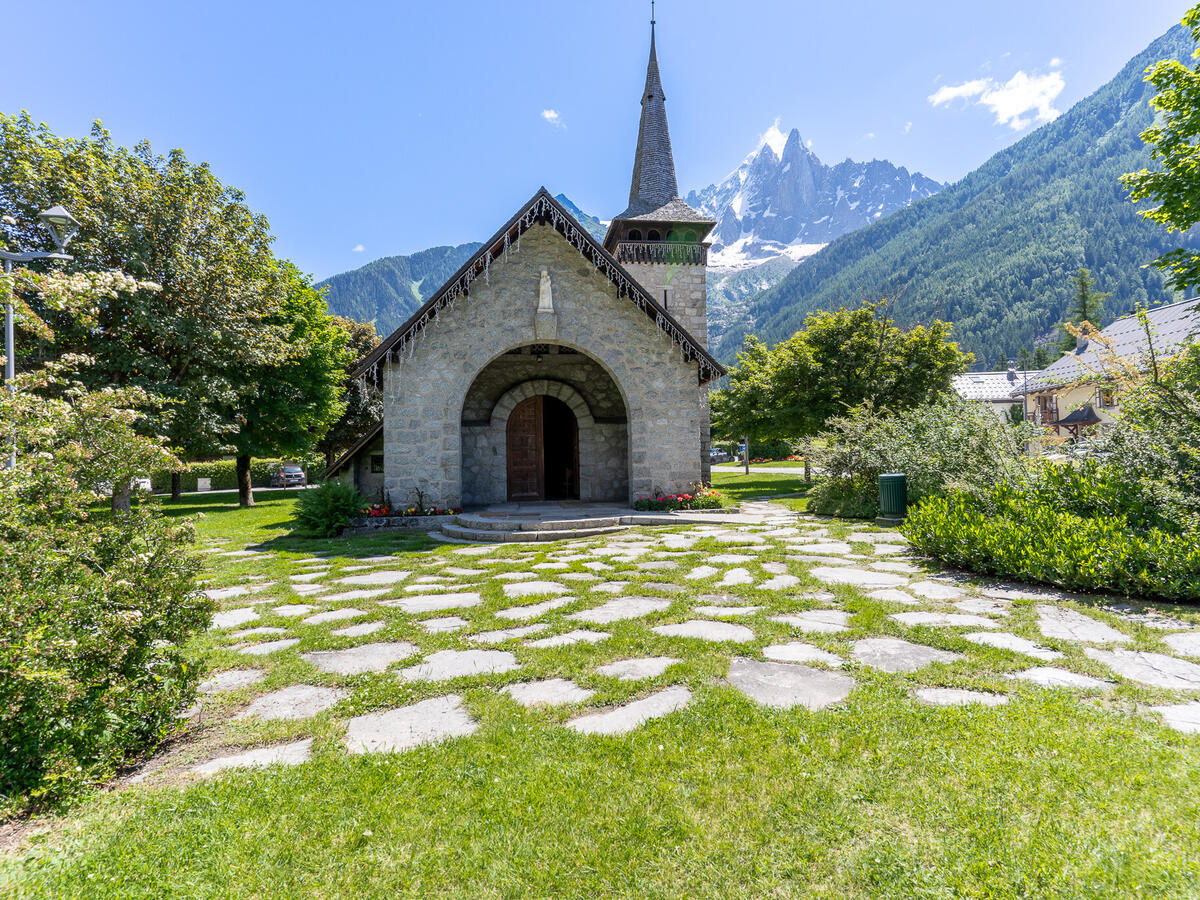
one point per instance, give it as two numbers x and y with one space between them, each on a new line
136 483
717 455
288 475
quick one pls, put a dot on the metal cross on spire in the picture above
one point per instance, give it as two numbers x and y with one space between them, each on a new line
651 13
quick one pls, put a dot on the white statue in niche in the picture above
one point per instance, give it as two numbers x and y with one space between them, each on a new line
545 293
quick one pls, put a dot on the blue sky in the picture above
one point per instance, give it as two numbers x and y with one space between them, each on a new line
395 126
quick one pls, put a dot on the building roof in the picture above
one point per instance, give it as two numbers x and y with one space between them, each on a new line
993 387
1172 326
1085 415
653 191
341 462
540 209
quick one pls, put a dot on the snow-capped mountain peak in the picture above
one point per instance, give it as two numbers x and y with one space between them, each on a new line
783 201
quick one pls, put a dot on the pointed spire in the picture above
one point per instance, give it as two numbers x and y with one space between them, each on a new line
653 165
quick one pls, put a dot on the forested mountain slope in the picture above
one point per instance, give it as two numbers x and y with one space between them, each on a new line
995 252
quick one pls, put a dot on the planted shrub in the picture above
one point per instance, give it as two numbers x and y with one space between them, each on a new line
946 444
701 498
1023 533
94 606
326 510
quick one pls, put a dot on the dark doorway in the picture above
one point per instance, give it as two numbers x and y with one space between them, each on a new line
543 450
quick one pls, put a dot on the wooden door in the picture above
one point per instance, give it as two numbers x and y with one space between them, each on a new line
526 474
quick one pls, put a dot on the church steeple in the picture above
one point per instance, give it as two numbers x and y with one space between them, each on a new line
655 211
653 183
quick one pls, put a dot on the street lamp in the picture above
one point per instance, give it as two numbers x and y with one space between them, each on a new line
62 227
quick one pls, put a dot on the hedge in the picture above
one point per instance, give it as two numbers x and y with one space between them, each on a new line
223 473
1021 536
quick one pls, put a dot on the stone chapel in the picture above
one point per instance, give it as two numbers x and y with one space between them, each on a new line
551 366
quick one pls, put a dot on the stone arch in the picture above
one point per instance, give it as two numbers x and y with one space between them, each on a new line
602 421
545 387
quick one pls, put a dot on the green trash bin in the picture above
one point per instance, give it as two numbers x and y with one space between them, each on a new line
893 498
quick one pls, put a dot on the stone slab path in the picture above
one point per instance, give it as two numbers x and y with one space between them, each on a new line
625 718
410 726
784 685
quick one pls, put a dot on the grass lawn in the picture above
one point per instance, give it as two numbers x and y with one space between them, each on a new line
1058 793
736 486
773 464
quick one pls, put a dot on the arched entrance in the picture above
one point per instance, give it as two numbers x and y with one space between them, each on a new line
542 450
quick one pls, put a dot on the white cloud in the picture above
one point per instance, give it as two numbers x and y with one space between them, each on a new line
553 117
907 127
1056 62
773 138
808 143
1018 102
870 135
358 248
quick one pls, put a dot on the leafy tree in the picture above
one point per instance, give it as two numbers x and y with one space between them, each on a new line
364 406
841 360
169 222
94 607
1088 306
1174 141
283 408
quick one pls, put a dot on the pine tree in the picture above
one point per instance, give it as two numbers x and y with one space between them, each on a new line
1088 306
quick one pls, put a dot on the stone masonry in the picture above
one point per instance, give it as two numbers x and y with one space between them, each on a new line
429 393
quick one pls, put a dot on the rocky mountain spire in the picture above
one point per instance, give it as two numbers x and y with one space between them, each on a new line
653 165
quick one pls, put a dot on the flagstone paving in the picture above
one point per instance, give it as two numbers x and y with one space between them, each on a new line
773 565
297 701
375 578
623 719
1049 676
621 608
1005 641
1151 669
857 577
410 726
280 754
578 636
551 692
637 669
895 655
784 685
446 664
820 621
704 630
268 648
1183 717
1069 625
360 659
800 652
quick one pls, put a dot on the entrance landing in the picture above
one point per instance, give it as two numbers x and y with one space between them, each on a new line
556 520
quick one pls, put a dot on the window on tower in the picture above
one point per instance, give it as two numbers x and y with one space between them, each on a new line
652 235
635 234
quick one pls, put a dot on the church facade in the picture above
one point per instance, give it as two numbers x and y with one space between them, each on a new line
552 366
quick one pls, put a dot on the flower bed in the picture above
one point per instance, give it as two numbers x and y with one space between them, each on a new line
385 511
704 498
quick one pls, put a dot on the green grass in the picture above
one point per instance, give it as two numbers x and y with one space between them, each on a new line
1055 794
735 486
772 464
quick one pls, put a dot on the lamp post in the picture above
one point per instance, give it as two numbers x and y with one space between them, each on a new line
62 227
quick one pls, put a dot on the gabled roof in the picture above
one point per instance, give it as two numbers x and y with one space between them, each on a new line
346 457
991 386
541 209
1172 326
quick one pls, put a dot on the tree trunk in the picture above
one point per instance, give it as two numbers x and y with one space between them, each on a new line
807 470
176 485
120 497
746 457
245 489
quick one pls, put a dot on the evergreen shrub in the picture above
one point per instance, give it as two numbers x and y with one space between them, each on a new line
326 510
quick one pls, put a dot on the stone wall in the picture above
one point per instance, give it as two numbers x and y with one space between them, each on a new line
424 392
686 293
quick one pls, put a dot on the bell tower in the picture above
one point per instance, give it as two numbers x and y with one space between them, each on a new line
659 239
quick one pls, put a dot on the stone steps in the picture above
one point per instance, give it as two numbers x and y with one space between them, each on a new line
488 523
527 534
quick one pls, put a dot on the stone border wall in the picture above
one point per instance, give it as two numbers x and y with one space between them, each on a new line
371 524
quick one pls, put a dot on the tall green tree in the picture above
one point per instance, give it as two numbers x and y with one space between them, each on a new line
1174 141
840 360
283 408
167 221
364 405
1086 306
